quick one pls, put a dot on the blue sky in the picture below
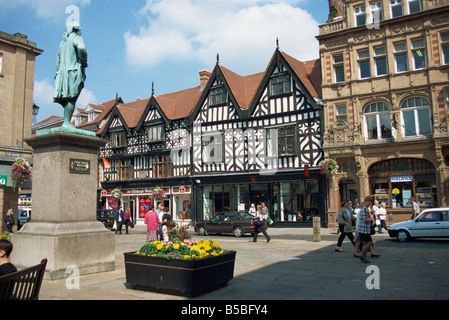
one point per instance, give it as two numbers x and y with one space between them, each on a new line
131 44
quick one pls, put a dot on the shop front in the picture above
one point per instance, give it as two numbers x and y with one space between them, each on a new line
138 201
394 182
290 198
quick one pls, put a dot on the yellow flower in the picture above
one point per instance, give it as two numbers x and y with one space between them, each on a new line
215 244
206 242
159 246
207 248
176 246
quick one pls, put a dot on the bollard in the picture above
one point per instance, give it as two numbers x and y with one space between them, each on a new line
316 229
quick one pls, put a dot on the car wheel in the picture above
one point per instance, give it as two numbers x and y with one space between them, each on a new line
238 232
202 231
403 236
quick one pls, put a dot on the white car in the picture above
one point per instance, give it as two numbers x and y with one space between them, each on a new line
431 223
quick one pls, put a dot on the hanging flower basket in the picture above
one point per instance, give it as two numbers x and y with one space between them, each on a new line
20 171
159 193
329 167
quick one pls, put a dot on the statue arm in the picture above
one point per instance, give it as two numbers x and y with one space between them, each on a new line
82 52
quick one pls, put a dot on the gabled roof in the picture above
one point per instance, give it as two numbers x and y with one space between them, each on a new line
309 72
104 107
243 87
247 89
178 105
132 112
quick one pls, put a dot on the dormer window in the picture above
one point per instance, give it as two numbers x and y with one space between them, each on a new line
280 84
91 116
217 96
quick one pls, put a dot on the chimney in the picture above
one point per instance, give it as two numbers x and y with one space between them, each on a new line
204 78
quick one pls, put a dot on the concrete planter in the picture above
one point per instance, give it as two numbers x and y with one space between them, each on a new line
188 278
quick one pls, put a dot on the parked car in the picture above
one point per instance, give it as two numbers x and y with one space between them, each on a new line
107 217
23 216
431 223
226 222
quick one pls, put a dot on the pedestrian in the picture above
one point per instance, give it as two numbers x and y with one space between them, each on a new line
415 208
252 210
127 220
259 223
382 214
152 222
160 212
364 227
375 210
6 266
119 218
344 219
9 220
166 218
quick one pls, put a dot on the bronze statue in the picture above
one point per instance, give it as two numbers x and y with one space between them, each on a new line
70 75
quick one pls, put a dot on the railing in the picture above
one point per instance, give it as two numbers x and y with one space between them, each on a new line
333 26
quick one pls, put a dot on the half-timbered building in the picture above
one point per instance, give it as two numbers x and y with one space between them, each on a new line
232 141
137 156
258 138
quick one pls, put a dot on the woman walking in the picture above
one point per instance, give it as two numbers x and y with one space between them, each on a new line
259 223
344 219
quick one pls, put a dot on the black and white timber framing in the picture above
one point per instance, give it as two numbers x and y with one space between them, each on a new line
274 134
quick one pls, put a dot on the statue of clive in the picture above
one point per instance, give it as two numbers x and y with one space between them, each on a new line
70 65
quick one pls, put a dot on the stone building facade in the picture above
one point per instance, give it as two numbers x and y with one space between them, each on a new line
17 59
385 87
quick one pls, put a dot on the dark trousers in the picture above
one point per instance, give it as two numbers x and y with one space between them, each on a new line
119 227
343 236
382 224
260 225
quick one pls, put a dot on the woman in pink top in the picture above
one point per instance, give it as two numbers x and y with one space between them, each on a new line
152 222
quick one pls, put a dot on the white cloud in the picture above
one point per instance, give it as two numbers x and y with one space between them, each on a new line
43 97
242 32
47 9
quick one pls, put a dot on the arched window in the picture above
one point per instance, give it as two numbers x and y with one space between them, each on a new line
416 117
377 121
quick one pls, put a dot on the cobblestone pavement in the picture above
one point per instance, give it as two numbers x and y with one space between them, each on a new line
291 267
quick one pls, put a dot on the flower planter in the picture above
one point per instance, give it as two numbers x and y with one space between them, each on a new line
188 278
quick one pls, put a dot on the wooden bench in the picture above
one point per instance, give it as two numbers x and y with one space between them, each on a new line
24 284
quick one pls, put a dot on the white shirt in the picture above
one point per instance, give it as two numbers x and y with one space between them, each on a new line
382 213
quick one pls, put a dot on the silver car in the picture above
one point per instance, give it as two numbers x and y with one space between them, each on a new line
431 223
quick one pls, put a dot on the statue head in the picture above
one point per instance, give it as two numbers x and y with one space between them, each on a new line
72 25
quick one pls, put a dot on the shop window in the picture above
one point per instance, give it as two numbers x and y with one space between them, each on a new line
395 181
377 121
416 117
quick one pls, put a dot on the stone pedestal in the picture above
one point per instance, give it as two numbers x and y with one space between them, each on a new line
63 226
